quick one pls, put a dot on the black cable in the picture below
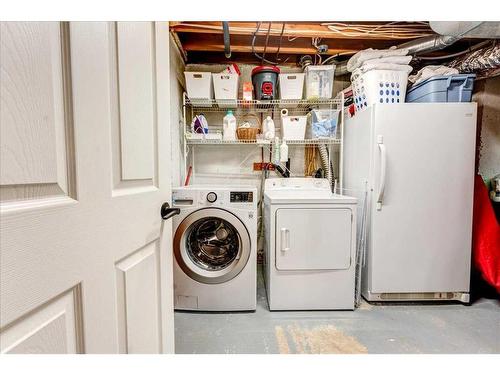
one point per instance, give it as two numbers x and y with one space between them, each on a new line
279 44
265 45
253 48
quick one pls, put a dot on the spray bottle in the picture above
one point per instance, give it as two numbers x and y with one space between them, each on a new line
284 152
268 128
276 150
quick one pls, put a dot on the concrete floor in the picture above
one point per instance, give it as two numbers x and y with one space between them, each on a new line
394 328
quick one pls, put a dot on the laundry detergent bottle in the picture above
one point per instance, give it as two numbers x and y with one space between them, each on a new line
229 127
268 128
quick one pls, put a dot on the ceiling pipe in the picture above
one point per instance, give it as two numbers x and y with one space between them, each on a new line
421 45
227 42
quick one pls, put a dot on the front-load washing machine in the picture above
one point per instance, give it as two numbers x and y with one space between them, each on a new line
215 247
310 243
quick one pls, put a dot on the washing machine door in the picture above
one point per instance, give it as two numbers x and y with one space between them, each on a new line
212 245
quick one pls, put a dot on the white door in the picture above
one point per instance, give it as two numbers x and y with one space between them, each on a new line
329 227
421 232
86 260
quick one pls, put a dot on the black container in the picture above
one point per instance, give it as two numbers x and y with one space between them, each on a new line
265 82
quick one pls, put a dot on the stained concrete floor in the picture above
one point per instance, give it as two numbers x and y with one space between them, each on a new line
394 328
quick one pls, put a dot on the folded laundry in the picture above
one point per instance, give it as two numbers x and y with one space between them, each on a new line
369 54
402 60
366 67
432 71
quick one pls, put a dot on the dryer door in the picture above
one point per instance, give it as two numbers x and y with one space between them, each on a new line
313 238
212 245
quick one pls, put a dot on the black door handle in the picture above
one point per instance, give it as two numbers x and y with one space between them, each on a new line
166 212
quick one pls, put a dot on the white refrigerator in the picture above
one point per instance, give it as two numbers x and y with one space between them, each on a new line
416 162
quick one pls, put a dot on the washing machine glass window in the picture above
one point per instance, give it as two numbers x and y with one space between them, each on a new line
212 243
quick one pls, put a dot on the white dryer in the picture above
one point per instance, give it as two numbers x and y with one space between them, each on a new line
310 245
215 246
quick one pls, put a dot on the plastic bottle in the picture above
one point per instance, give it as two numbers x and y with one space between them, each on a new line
284 152
268 128
229 127
276 150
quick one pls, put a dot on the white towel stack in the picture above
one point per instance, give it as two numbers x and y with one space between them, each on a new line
372 59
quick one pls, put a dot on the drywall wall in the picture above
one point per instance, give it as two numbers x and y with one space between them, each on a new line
487 95
177 84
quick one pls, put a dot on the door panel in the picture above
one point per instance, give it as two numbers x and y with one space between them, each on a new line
133 108
313 238
139 301
421 236
135 66
36 153
55 328
102 239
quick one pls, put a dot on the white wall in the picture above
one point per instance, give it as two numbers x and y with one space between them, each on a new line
177 84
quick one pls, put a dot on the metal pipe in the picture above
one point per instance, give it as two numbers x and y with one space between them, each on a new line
428 44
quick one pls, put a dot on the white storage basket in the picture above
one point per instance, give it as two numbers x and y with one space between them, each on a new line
291 86
293 128
379 86
226 89
199 85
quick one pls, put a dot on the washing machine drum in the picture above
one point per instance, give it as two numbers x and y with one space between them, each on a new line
212 245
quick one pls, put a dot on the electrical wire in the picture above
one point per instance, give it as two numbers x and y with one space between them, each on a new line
392 30
262 58
265 45
279 44
253 47
337 55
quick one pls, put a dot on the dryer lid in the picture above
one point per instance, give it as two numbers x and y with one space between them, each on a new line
301 191
306 197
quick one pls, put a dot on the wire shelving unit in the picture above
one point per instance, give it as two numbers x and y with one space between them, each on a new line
215 109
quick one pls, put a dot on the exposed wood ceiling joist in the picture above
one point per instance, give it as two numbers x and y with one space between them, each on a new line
204 40
292 29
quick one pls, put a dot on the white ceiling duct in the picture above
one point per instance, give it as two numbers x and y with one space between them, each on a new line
467 29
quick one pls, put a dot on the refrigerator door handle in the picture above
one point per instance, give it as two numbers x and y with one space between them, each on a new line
383 168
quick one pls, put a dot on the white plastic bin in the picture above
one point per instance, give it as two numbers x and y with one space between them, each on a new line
226 89
319 81
293 128
199 85
291 86
379 86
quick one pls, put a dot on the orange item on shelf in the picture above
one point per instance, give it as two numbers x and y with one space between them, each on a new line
247 91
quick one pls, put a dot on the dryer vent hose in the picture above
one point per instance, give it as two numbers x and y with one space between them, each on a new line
323 153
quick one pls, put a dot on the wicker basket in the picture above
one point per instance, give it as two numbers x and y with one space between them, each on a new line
247 134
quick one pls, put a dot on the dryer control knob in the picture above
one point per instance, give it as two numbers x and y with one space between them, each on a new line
211 197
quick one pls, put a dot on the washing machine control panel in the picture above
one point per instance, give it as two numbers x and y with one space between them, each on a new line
211 197
241 197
